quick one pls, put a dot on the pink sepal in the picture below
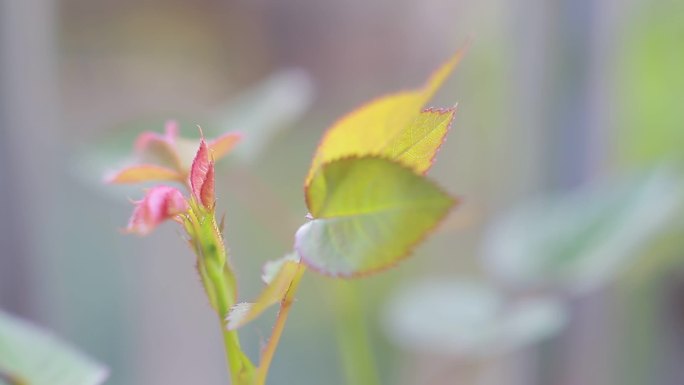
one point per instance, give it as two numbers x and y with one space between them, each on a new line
159 204
148 138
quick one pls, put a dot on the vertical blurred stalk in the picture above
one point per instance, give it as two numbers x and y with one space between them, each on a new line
352 335
28 116
566 113
561 65
13 250
640 310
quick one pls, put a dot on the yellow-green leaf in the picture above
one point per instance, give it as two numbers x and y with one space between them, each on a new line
277 285
369 213
417 145
369 129
144 173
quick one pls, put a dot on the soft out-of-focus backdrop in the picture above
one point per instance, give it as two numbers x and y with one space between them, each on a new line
564 264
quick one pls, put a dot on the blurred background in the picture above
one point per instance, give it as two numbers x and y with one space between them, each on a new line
564 264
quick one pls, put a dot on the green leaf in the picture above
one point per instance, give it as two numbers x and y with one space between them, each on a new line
369 213
30 355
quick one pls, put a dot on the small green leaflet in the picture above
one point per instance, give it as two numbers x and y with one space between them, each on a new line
369 213
278 276
29 355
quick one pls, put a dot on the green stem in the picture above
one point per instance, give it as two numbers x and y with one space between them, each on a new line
219 282
240 367
270 348
352 336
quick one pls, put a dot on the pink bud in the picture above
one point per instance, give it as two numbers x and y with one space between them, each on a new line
202 176
159 204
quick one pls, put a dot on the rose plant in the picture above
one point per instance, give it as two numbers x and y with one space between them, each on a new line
369 200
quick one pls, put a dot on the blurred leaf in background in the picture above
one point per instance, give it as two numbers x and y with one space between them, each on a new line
467 318
265 110
581 240
32 356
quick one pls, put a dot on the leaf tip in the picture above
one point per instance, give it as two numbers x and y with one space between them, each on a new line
237 314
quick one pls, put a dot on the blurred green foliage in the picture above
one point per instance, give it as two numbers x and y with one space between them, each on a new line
650 85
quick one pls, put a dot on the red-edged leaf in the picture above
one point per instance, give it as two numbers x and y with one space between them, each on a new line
368 129
143 173
418 144
202 176
159 204
222 145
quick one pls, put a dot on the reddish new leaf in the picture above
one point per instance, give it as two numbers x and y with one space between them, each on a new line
155 147
148 138
222 145
143 173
